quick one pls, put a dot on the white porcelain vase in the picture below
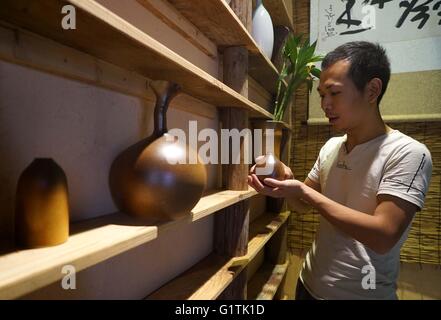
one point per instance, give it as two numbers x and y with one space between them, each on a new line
263 30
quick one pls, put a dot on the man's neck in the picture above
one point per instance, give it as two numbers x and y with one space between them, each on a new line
367 131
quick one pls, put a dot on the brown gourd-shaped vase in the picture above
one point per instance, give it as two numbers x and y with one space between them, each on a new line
153 179
41 207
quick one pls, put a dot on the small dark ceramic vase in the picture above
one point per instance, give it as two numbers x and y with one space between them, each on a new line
152 179
41 207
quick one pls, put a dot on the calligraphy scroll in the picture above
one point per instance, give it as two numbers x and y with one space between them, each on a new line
410 31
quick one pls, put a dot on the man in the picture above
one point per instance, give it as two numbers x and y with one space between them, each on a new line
366 185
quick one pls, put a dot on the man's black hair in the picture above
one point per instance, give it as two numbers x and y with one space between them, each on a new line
368 60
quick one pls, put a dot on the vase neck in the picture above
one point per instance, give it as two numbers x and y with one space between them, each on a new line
164 91
259 3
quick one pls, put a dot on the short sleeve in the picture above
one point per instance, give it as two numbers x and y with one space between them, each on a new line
314 174
407 174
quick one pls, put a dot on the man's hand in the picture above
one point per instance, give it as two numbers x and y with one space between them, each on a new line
289 188
288 172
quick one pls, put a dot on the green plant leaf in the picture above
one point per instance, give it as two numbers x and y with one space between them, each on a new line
299 58
311 51
302 51
292 87
316 59
292 48
316 72
305 55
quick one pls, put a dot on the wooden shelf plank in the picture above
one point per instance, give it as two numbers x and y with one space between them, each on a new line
30 50
217 21
220 24
279 13
266 281
262 70
94 241
104 35
207 279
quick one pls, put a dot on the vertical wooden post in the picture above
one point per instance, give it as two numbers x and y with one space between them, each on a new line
232 224
231 230
236 77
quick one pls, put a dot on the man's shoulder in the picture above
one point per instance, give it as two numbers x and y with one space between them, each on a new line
404 151
401 143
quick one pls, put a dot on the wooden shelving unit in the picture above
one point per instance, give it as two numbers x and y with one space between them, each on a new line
105 36
209 278
220 24
93 241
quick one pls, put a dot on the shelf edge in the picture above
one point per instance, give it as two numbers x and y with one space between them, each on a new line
24 271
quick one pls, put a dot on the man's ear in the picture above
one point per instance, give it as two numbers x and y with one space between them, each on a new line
374 88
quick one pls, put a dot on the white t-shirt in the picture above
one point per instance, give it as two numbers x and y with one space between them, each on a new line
393 164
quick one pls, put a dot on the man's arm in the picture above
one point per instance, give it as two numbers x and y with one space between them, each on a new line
396 203
380 231
299 205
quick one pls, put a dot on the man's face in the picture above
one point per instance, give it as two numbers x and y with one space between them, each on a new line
344 105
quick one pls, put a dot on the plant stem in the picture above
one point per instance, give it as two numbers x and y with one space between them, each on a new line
280 111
